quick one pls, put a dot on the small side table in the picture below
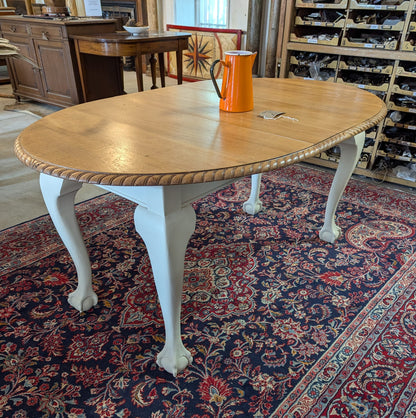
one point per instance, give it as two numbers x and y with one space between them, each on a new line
120 44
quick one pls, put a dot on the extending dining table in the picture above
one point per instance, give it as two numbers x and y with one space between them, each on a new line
163 149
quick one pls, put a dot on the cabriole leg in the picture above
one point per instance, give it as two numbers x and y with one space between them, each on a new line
350 153
253 205
59 195
166 238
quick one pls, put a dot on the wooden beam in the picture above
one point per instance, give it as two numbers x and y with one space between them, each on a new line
255 11
270 70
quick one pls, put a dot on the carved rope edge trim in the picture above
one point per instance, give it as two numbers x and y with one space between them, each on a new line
193 177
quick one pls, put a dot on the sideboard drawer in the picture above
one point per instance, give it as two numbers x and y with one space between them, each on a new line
46 33
13 28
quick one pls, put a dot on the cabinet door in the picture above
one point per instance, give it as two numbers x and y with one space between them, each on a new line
26 78
57 72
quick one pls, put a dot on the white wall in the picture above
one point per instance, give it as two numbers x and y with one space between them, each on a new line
238 14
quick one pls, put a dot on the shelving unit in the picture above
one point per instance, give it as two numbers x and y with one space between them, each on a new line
370 44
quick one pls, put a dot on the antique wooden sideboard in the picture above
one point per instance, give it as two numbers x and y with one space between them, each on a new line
56 80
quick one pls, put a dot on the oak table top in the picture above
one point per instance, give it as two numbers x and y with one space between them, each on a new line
178 135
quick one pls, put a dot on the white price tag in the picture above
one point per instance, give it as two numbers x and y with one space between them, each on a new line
93 8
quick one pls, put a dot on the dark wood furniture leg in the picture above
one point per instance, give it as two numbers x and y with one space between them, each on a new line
139 72
81 69
179 65
161 58
153 70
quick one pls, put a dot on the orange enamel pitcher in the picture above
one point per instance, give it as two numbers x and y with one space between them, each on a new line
236 93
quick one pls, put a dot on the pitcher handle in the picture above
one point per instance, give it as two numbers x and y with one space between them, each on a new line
214 81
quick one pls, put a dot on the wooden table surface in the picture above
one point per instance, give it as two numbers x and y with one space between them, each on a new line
178 135
124 44
129 38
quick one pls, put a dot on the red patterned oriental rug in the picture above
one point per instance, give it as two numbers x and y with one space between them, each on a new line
280 324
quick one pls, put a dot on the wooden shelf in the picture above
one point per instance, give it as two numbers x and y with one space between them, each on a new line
388 69
339 24
383 87
390 45
351 25
355 5
295 38
350 51
336 5
333 64
397 89
392 106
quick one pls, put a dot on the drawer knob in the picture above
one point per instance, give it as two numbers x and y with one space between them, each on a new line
13 28
45 36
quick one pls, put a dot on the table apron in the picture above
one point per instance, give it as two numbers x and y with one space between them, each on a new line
180 195
119 49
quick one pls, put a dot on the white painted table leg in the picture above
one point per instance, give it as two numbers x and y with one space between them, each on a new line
253 205
166 236
59 195
350 153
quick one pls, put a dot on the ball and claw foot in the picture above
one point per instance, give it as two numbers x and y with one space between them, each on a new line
81 301
251 208
174 362
330 235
